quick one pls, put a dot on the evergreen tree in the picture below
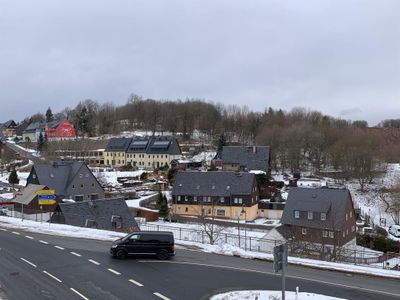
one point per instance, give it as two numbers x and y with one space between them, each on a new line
40 142
49 115
13 178
159 200
164 209
221 144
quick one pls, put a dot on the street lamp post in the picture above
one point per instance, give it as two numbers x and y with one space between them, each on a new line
245 229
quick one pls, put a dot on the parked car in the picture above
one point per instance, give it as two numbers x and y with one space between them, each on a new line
153 243
395 230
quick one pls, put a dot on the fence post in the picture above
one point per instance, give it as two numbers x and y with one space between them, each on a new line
180 233
202 237
158 227
250 243
226 239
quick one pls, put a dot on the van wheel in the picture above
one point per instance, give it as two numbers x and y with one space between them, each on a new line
162 255
121 254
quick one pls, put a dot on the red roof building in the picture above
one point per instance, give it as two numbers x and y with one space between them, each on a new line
60 130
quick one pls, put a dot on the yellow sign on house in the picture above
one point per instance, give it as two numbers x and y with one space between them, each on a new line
45 192
46 202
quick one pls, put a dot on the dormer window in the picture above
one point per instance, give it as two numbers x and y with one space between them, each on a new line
296 214
310 215
323 216
228 187
198 187
213 187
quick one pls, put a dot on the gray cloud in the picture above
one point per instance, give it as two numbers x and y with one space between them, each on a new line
323 55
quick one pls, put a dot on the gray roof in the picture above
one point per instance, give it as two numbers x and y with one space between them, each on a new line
54 124
9 124
99 211
333 202
34 126
213 183
28 193
251 157
118 145
159 145
57 175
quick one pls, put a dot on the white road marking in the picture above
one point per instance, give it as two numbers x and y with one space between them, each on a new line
135 282
52 276
43 242
94 262
113 271
58 247
79 294
76 254
2 229
29 237
161 296
14 232
274 274
28 262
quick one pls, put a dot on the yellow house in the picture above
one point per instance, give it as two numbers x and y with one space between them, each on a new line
148 153
114 154
225 195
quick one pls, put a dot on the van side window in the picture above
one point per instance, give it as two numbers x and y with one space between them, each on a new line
134 238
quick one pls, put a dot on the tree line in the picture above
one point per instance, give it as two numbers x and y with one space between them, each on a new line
300 139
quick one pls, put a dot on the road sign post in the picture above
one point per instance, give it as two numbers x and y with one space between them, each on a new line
280 263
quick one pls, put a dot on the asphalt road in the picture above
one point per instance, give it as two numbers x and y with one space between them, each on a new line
37 266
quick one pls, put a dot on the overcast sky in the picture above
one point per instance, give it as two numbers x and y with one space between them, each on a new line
341 57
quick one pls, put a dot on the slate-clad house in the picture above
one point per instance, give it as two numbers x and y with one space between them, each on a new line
107 214
32 132
324 216
228 195
143 153
71 180
245 158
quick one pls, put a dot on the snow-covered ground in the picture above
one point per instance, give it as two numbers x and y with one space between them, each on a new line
31 151
21 175
206 156
111 177
369 200
270 295
225 249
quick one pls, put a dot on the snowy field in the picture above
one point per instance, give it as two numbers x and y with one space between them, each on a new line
21 175
111 177
270 295
224 249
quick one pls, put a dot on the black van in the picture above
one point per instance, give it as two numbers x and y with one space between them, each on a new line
158 243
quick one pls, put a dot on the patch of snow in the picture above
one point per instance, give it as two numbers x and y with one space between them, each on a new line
111 177
271 295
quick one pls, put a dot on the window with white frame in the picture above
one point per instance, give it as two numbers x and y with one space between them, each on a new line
222 199
195 198
325 233
323 216
179 198
347 216
310 215
351 214
296 214
240 200
304 231
343 234
353 228
331 234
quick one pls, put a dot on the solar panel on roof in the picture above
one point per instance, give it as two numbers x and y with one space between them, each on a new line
138 144
160 145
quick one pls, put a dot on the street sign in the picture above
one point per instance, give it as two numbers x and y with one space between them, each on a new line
46 197
280 263
47 202
46 192
280 257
